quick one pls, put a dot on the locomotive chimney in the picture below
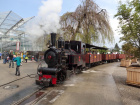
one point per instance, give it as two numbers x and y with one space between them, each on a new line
53 39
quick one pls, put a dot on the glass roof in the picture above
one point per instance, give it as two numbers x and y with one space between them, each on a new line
11 27
8 20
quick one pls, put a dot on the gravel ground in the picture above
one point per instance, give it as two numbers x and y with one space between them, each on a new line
130 94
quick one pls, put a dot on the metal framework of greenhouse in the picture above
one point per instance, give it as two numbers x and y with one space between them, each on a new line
12 30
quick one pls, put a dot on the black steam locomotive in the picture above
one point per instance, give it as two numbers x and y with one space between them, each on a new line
67 58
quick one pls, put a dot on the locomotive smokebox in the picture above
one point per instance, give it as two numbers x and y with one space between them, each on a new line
53 39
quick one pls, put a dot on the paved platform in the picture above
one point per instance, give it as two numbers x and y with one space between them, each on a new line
9 94
8 74
95 86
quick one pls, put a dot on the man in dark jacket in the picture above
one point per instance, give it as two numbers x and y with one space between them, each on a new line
11 60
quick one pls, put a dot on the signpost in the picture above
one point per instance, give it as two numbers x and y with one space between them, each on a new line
17 46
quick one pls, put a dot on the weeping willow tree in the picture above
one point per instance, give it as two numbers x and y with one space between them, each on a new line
88 23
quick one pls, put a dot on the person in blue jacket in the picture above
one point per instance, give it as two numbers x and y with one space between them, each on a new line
0 55
18 63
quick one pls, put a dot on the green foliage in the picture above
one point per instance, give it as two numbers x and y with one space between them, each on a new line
88 23
129 18
103 51
116 48
129 49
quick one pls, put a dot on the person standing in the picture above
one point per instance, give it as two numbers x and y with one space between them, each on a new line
26 58
36 57
11 60
14 56
0 55
7 57
4 56
18 61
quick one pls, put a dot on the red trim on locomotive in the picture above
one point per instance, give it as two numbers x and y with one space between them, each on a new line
54 80
76 58
79 58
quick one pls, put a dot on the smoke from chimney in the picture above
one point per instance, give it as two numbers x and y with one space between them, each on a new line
47 20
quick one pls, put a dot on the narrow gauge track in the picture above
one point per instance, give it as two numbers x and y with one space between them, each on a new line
17 79
26 97
32 99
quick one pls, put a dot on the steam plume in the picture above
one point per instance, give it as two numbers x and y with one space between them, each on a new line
47 20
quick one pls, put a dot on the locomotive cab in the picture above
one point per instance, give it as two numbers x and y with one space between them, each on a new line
61 43
78 47
77 59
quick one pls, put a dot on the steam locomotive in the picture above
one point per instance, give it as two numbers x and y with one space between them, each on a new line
69 57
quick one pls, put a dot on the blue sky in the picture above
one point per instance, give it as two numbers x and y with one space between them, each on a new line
29 8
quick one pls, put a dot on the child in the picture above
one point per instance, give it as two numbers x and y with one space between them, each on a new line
18 61
26 58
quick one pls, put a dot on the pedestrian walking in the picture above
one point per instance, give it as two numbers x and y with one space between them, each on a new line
18 63
36 57
26 58
4 57
7 58
14 56
0 55
11 60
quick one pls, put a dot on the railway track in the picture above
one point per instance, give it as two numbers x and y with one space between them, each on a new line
49 95
23 100
17 80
